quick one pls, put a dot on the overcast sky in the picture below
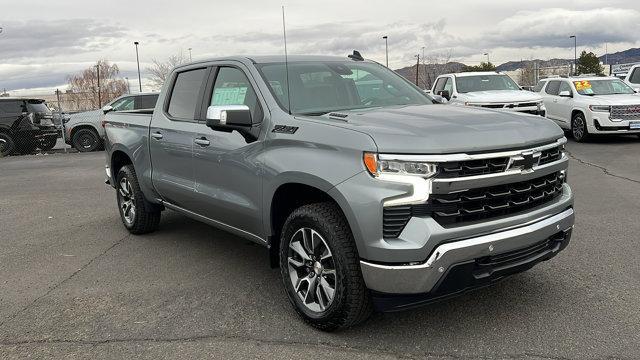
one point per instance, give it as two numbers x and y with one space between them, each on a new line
45 41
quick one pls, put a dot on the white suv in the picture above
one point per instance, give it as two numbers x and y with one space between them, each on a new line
487 89
591 105
633 77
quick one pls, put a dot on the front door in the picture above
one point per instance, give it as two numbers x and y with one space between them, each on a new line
228 182
171 138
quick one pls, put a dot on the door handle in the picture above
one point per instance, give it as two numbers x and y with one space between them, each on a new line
202 141
156 135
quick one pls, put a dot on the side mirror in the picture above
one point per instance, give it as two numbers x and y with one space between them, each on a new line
107 108
229 116
565 93
439 99
445 94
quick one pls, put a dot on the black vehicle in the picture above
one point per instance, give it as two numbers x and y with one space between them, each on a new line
26 125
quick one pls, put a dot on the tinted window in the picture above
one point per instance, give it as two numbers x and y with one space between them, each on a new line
233 88
539 86
38 106
184 96
145 102
12 107
635 76
564 86
553 88
440 84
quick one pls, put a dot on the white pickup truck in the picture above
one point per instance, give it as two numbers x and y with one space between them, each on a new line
633 77
488 89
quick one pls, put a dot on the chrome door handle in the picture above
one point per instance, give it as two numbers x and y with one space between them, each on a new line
156 135
202 141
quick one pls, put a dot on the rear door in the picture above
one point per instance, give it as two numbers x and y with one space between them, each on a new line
172 130
228 182
550 96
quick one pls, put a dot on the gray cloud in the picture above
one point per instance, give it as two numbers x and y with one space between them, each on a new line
43 38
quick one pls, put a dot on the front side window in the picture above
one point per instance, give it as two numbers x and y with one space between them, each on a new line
11 107
474 83
124 104
440 84
553 88
635 76
448 86
233 88
184 96
319 87
602 87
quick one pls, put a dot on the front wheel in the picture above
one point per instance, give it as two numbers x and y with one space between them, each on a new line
7 145
136 215
579 128
320 268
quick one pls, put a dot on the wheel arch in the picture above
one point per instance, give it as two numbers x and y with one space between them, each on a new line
79 127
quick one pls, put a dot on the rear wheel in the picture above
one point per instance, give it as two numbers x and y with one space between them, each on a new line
7 145
136 215
47 143
579 128
320 268
86 140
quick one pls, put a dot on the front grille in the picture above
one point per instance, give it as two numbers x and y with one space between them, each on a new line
493 106
527 104
625 112
550 155
472 167
476 204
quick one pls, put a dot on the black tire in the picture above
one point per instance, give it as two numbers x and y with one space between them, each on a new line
47 143
351 302
143 219
579 129
86 140
7 145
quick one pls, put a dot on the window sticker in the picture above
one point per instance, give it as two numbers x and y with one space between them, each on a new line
229 96
584 85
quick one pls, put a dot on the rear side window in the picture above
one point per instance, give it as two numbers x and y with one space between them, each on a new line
539 86
11 107
184 96
553 88
564 86
635 76
145 102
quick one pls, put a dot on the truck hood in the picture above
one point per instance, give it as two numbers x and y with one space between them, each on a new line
500 96
620 99
442 129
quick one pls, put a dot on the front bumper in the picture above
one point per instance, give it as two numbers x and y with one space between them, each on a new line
426 278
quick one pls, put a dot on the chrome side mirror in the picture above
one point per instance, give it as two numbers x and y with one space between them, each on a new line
439 99
229 115
107 108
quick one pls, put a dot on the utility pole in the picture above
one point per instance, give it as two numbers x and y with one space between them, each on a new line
190 59
64 135
386 48
417 68
487 55
99 93
138 61
575 54
128 85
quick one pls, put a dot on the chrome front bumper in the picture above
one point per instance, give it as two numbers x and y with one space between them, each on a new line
423 277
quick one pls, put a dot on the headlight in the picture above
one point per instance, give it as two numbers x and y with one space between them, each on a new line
387 165
600 108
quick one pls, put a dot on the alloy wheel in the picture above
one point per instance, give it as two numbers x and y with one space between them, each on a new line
578 127
312 269
127 201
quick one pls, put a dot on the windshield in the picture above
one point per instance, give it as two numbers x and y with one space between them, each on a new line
319 87
602 87
37 106
467 84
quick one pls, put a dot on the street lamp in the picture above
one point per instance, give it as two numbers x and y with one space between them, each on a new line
386 49
487 55
575 54
190 55
138 61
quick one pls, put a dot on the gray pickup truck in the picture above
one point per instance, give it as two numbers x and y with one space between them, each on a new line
367 193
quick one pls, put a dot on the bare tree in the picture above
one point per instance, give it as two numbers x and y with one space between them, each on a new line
160 70
83 87
527 76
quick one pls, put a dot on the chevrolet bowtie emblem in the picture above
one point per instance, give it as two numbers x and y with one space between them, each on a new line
525 161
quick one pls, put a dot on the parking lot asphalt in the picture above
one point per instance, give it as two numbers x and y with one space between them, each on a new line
75 284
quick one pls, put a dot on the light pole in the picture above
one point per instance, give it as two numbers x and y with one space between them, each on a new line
417 68
487 55
190 59
138 61
99 94
386 49
575 54
128 85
